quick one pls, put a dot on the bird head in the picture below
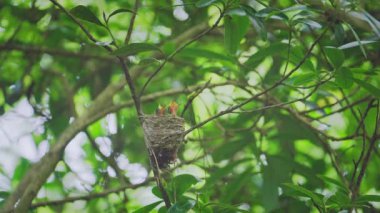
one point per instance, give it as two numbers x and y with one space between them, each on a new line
173 108
160 110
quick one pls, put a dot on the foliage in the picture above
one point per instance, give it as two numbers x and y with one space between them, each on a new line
281 102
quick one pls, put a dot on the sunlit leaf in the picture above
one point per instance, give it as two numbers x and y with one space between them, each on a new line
358 40
344 77
305 192
368 198
225 208
369 87
355 44
334 182
303 79
182 206
373 22
205 3
335 56
121 10
148 208
235 27
182 183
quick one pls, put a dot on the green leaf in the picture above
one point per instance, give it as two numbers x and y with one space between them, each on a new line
335 56
295 8
314 196
339 33
148 208
205 3
369 87
227 150
182 206
270 12
156 192
373 22
225 208
134 48
121 10
256 21
358 40
340 198
147 61
262 53
343 78
355 44
21 170
235 27
334 182
182 183
197 52
4 194
275 173
368 198
233 187
85 13
221 172
303 79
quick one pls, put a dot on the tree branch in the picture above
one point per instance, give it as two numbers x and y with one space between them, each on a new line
367 156
63 53
178 50
132 22
233 108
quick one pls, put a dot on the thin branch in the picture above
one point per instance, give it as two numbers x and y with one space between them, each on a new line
132 22
137 104
233 108
110 160
107 192
193 96
63 53
89 196
357 162
366 98
371 147
321 137
343 108
178 50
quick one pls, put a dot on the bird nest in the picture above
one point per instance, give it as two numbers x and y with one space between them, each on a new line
165 134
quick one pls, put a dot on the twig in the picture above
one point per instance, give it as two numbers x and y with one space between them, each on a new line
193 96
132 22
178 50
233 108
357 163
135 98
40 50
338 110
89 196
111 161
371 147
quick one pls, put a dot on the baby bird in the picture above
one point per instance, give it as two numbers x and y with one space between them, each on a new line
160 111
173 108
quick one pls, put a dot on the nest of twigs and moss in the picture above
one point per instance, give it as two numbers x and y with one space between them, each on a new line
165 134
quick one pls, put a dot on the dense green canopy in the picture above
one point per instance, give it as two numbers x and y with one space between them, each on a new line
280 101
